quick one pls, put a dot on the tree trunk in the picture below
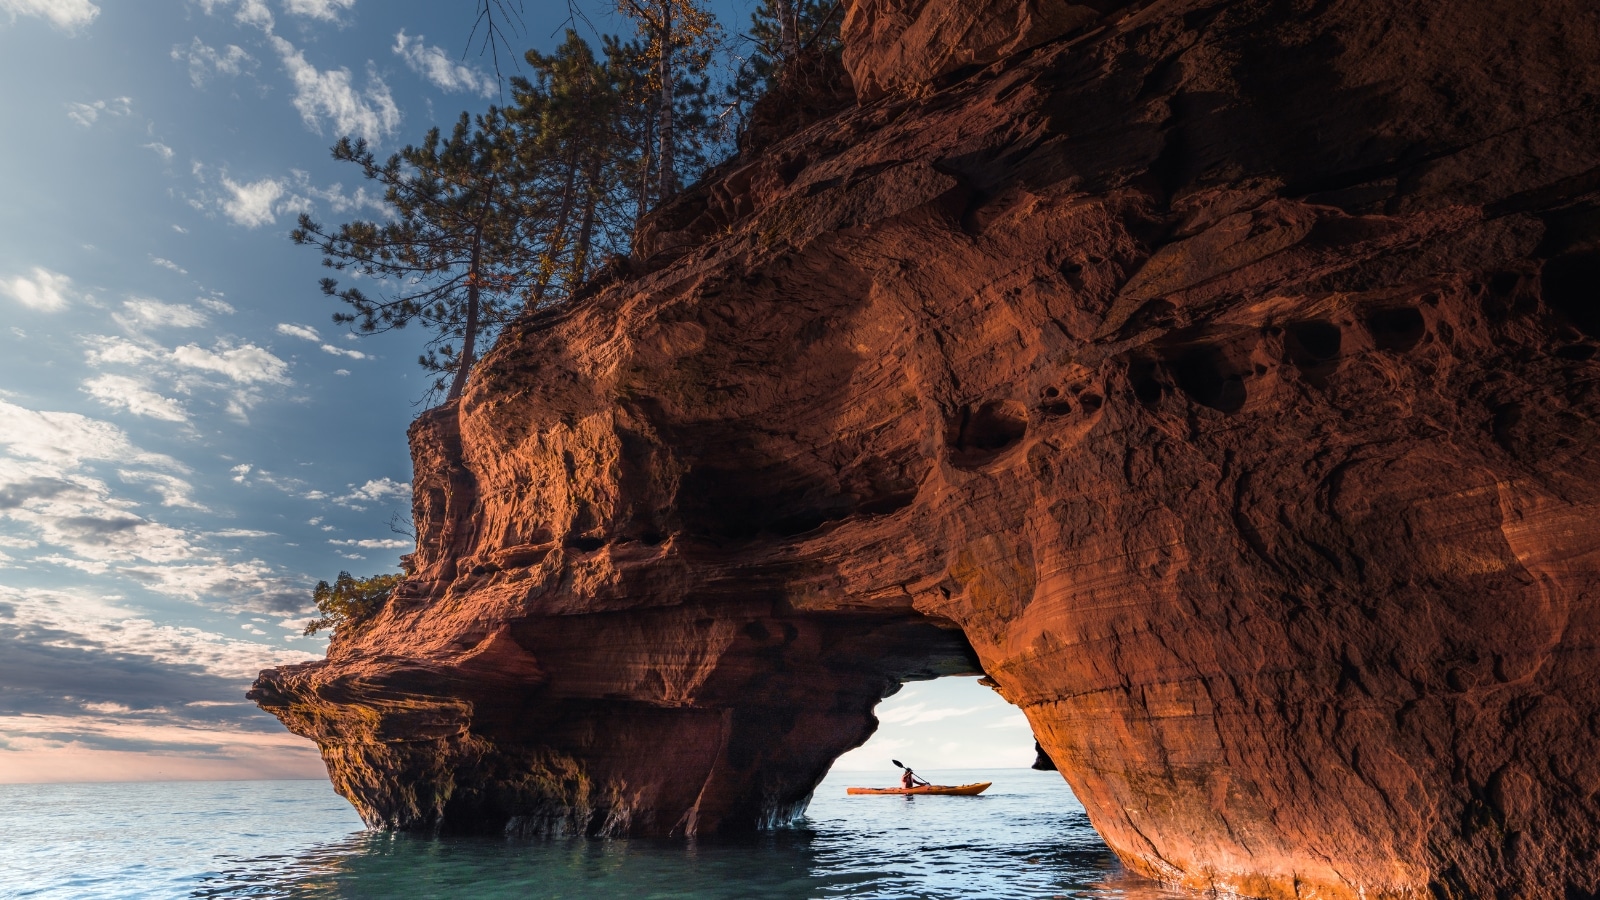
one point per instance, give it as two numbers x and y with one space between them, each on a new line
469 335
788 29
591 200
645 158
669 172
558 233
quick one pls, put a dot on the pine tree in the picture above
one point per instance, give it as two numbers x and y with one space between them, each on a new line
779 31
450 258
678 35
569 115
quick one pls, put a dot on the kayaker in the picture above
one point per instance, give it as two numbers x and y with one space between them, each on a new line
910 780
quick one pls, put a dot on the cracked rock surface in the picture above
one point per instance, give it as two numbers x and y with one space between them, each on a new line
1218 378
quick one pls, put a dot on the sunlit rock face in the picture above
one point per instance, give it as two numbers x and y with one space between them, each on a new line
1218 378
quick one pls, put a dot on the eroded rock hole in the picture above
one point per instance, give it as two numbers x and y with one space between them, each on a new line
1204 374
1144 376
1571 287
1313 342
977 436
1397 328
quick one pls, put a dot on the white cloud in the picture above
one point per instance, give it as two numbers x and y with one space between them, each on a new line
168 264
140 313
251 586
340 351
439 69
62 507
262 201
216 304
67 15
122 392
68 438
46 290
372 492
327 10
87 114
91 621
254 12
206 61
918 714
248 364
117 351
330 94
341 371
243 369
252 203
304 332
174 491
161 150
375 544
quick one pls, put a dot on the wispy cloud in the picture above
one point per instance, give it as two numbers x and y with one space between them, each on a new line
261 201
326 10
67 15
330 95
248 364
254 203
919 713
87 114
304 332
249 586
69 438
239 370
122 392
444 73
206 62
161 150
307 333
173 491
41 289
374 491
140 313
375 544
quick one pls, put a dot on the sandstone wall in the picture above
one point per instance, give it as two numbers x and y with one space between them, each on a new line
1218 378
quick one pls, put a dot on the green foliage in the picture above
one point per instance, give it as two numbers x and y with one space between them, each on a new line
349 601
814 26
676 37
520 206
449 258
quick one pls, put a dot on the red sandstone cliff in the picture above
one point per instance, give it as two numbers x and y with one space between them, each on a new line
1218 377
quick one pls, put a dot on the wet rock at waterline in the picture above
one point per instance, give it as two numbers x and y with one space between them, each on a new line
1219 379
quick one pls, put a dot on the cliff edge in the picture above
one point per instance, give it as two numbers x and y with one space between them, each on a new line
1218 378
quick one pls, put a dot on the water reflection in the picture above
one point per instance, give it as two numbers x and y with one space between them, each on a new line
1028 837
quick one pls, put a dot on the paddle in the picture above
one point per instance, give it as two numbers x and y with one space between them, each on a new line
904 766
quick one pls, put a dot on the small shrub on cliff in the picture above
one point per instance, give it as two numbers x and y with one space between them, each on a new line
350 600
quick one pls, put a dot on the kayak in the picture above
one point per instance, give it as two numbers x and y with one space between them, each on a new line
960 790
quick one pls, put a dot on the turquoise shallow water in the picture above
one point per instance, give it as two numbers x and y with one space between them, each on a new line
1027 837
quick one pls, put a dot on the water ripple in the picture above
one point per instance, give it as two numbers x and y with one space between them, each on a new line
1026 838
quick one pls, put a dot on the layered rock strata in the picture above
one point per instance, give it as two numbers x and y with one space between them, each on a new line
1218 378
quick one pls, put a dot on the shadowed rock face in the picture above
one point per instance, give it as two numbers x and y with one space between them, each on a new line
1218 378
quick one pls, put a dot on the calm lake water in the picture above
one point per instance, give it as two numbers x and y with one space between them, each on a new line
1026 837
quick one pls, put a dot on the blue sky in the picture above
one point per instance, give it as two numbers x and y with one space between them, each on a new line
186 443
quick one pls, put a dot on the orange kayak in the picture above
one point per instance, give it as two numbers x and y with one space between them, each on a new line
961 790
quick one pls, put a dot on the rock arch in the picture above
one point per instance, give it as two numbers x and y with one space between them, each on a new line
1223 420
